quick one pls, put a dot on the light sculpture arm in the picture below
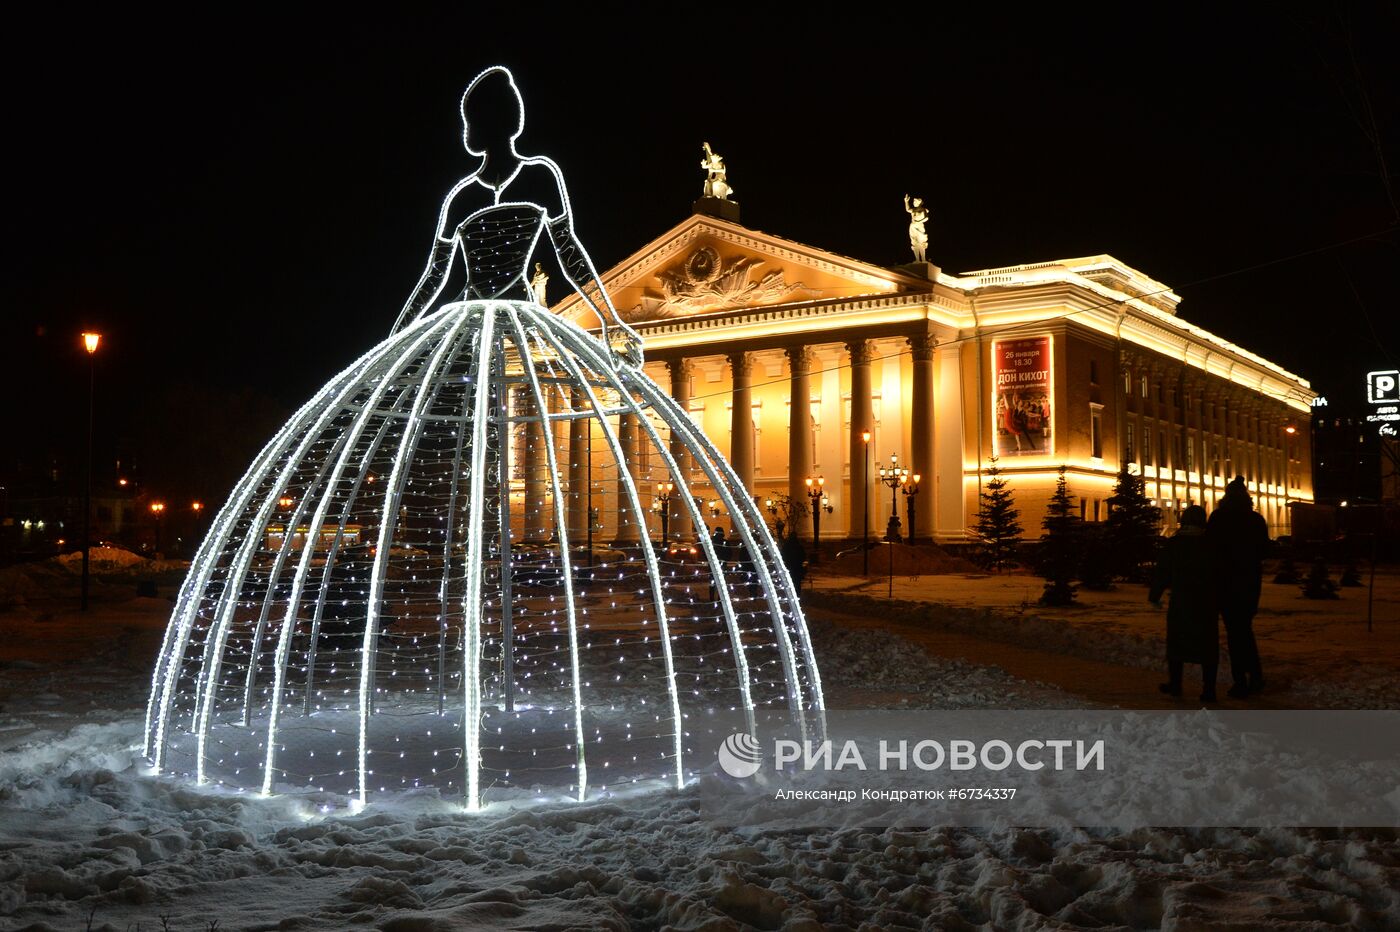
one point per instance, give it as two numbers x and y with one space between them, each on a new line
578 269
434 277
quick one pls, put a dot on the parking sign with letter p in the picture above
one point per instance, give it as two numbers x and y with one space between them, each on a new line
1383 387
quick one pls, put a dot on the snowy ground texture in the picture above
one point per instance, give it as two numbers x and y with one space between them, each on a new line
86 841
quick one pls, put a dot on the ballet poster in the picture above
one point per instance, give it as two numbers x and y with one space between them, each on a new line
1021 402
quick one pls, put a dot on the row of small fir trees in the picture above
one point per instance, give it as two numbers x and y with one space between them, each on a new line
1070 551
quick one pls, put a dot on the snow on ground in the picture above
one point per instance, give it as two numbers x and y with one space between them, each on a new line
83 833
1321 650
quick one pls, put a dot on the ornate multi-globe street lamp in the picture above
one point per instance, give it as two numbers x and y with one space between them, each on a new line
911 491
816 492
893 476
663 507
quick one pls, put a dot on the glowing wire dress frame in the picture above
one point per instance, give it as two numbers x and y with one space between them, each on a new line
384 604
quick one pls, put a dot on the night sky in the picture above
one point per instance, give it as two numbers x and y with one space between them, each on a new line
242 205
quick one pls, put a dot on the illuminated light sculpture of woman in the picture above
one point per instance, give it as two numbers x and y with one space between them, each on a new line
397 594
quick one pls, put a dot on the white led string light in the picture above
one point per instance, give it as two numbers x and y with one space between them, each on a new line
444 537
214 642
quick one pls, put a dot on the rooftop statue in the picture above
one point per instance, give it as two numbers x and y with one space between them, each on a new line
716 176
918 229
538 283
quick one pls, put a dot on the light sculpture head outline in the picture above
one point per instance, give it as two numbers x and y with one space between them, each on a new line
481 82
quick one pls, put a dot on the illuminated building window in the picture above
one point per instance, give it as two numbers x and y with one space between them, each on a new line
1128 452
1096 431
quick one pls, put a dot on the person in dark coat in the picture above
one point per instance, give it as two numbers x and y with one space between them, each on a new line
1187 568
1240 536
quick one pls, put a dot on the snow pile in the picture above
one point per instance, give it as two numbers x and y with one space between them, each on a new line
101 558
80 837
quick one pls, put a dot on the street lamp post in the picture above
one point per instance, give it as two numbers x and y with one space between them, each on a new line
90 341
893 476
1288 431
816 492
911 491
663 499
865 512
157 509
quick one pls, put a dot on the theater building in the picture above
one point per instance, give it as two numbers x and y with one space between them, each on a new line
788 355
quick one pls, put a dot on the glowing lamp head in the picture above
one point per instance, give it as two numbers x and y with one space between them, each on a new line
157 508
1290 430
90 341
865 436
197 506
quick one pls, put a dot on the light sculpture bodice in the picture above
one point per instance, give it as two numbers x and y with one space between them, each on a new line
440 572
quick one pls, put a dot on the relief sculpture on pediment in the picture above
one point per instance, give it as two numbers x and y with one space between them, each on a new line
703 281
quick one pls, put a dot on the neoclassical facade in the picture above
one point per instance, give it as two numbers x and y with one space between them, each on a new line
788 356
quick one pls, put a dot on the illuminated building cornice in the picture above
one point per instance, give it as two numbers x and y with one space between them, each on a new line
1097 293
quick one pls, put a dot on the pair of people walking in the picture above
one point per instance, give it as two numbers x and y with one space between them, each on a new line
1214 569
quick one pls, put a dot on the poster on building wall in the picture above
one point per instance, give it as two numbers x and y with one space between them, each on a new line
1021 400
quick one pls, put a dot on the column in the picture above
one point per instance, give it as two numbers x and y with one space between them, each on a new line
799 425
628 530
921 433
862 420
682 528
1210 439
578 470
1153 424
950 444
741 419
537 514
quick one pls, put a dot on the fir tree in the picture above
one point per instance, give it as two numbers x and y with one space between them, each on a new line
1132 531
1319 584
1060 546
998 525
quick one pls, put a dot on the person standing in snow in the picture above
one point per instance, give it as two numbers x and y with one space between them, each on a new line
1241 538
1187 568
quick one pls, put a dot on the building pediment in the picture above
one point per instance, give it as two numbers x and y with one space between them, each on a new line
707 265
